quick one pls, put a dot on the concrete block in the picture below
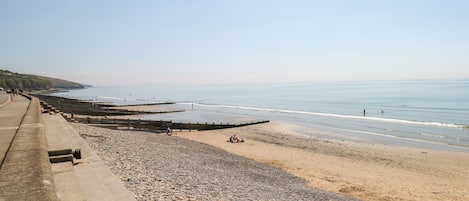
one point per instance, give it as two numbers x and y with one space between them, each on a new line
61 158
59 152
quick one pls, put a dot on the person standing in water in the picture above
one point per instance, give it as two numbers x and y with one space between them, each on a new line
364 112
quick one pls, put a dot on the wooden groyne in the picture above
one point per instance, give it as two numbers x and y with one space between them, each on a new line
161 126
75 106
84 112
131 105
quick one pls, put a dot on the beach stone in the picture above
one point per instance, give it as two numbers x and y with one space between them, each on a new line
160 167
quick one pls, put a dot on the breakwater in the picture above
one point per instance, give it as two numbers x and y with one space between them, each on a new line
158 126
75 106
98 114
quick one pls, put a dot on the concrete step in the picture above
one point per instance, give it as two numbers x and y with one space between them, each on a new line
67 185
90 175
59 152
61 158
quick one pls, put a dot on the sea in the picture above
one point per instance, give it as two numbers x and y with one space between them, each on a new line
431 114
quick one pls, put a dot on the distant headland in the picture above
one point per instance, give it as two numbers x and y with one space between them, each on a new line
12 80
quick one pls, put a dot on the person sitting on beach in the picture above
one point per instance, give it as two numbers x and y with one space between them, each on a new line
232 139
235 139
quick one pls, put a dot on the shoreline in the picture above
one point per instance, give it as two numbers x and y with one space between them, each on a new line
368 172
433 137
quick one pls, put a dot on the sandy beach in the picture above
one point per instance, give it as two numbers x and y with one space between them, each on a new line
368 172
160 167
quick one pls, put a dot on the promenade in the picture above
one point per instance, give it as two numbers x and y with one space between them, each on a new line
11 115
4 98
26 173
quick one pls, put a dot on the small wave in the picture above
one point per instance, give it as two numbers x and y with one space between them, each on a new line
118 98
401 121
112 98
432 135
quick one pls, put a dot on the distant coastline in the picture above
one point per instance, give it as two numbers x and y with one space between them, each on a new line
29 82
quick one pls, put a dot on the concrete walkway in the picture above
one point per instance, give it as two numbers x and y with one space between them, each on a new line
89 178
4 98
11 116
25 172
26 136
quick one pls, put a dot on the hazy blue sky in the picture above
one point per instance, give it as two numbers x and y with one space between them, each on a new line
154 42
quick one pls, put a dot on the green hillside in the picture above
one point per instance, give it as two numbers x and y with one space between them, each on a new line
11 80
62 84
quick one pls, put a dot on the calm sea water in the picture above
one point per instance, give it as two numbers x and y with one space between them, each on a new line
427 114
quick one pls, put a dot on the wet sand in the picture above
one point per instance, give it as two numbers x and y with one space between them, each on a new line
368 172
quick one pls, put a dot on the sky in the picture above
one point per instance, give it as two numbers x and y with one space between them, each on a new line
107 43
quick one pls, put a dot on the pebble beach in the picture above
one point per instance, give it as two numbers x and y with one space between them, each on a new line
160 167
